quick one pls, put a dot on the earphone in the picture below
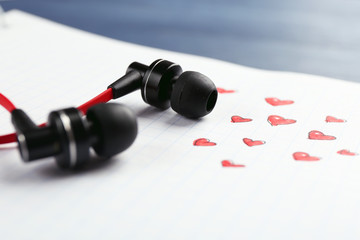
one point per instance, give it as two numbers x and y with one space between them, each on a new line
164 84
110 128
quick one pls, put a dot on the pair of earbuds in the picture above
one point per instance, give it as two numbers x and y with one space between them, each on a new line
110 128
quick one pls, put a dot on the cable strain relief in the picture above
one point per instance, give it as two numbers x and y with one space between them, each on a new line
22 121
128 83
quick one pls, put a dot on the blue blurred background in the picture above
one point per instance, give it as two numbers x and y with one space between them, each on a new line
311 36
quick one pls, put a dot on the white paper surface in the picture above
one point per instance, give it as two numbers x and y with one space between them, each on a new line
164 187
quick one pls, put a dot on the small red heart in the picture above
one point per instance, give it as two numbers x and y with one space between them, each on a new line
251 142
334 119
237 119
227 163
277 102
275 120
346 152
317 135
203 142
303 156
222 90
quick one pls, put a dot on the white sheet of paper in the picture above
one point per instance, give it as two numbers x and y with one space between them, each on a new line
164 187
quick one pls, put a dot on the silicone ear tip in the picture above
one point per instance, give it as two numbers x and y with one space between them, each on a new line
115 127
194 95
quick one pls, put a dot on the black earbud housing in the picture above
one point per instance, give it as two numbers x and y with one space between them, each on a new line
156 85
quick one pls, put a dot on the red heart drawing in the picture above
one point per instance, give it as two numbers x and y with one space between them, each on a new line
303 156
277 102
222 90
238 119
334 119
251 142
227 163
346 152
203 142
317 135
275 120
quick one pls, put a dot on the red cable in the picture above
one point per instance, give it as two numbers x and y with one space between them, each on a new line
8 138
105 96
6 103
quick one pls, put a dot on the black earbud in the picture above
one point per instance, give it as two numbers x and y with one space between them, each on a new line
164 84
108 128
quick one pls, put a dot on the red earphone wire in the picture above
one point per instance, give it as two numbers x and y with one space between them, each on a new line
6 103
9 106
105 96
